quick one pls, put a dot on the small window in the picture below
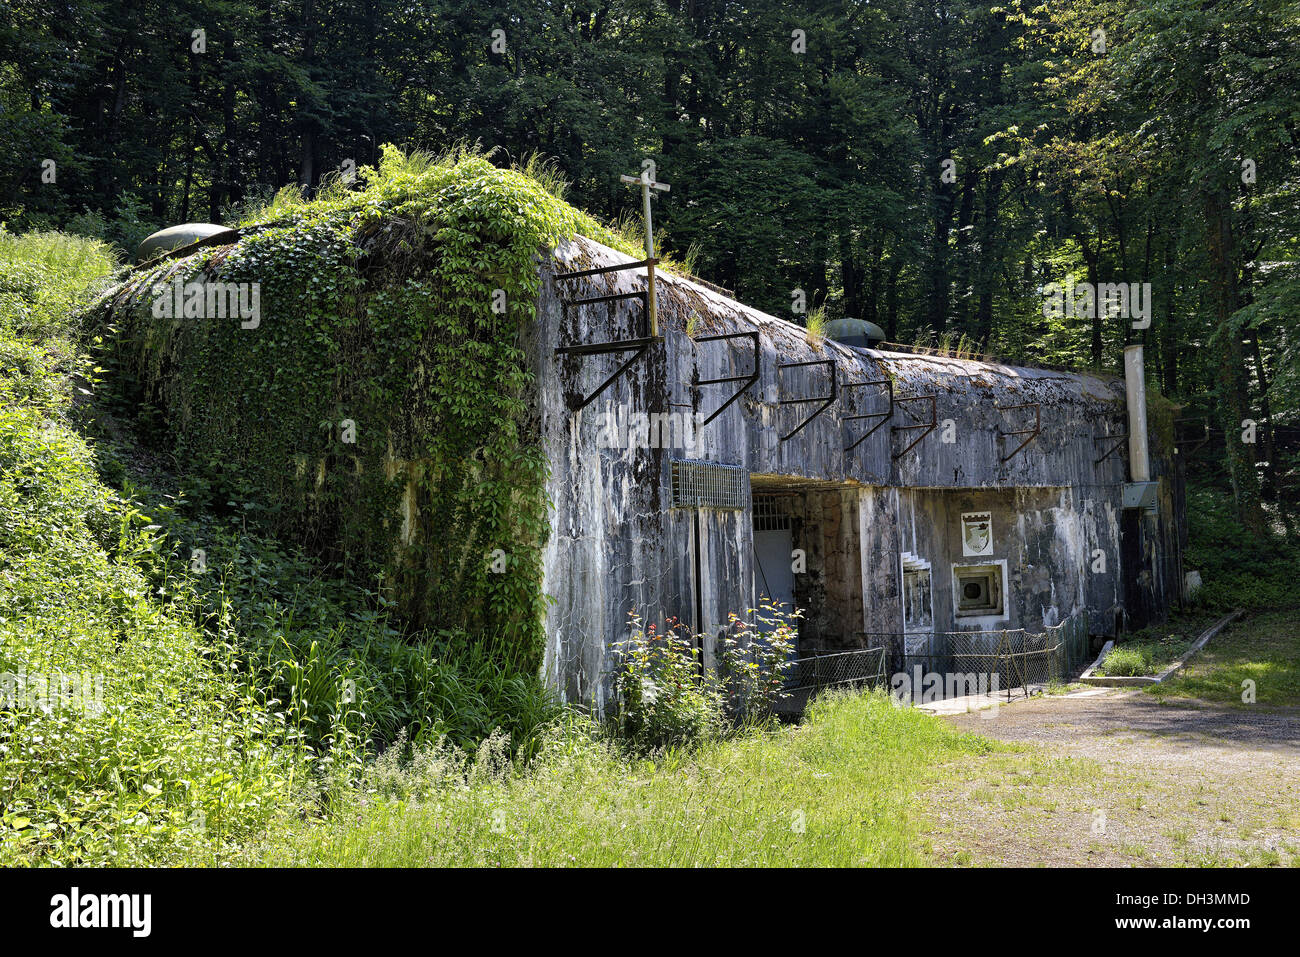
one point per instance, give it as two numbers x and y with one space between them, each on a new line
979 590
771 514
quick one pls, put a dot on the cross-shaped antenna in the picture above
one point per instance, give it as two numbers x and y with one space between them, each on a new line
647 182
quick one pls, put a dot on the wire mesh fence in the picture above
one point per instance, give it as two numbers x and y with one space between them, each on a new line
804 677
936 665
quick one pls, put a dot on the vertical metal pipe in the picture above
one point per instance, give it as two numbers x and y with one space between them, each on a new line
1135 390
650 257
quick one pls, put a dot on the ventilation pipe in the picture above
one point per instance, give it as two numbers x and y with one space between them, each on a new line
1139 460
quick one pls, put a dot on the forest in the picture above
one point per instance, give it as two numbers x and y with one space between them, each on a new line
1035 183
932 167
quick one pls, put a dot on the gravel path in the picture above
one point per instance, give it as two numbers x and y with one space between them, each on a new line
1118 777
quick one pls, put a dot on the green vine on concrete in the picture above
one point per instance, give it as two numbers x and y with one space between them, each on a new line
378 410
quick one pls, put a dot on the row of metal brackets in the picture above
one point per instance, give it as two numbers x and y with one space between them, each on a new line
640 345
1184 449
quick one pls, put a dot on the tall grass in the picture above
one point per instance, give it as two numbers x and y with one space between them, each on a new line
44 276
836 791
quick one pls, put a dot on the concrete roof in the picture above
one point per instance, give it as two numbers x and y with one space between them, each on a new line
678 295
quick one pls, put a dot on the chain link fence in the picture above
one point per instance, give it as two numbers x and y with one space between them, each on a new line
932 666
1019 659
804 677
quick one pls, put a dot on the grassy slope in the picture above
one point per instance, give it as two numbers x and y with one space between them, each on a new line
170 756
1263 649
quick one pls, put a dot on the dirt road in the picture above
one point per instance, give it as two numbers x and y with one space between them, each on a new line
1118 777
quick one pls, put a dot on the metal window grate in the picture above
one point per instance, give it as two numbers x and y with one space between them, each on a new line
769 515
709 485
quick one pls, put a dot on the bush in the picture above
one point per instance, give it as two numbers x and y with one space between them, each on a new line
329 649
167 679
663 700
125 737
663 697
756 654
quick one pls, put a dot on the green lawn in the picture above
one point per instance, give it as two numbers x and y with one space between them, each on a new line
1263 648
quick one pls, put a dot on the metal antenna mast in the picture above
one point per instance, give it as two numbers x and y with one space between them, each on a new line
647 182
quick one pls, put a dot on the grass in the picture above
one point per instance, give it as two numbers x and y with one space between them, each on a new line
45 276
815 328
1152 649
1137 658
836 791
1262 650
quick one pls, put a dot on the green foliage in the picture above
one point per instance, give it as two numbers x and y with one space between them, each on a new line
756 654
663 700
397 308
1238 569
330 650
1254 661
1135 658
157 706
125 736
43 275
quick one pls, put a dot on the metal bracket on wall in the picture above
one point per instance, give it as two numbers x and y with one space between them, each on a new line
637 347
1121 437
1200 442
825 400
928 426
617 267
749 380
1030 434
883 416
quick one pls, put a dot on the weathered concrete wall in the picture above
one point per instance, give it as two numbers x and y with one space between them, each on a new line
1048 540
1074 408
881 533
618 546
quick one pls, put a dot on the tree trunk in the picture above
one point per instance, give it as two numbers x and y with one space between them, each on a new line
1230 374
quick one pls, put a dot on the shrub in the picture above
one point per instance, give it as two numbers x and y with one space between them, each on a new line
164 751
663 700
756 653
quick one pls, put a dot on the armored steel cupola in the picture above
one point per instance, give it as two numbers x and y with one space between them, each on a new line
854 332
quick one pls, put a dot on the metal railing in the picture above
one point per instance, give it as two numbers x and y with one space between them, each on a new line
948 664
